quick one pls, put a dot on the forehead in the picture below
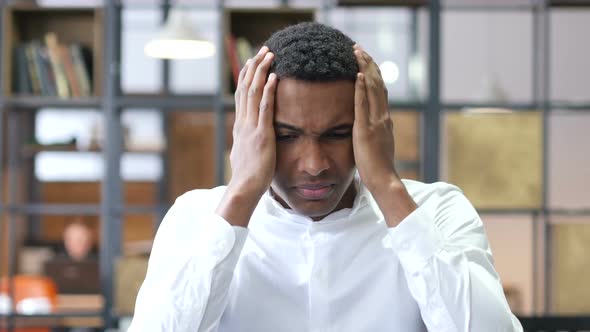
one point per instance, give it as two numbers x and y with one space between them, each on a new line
314 105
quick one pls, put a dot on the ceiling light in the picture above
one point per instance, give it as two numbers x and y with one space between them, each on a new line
178 39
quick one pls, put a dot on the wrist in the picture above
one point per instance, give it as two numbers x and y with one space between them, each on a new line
394 201
237 206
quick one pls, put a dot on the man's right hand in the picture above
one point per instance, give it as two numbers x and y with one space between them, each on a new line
253 155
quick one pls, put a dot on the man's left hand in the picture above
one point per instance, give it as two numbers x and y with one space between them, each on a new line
373 142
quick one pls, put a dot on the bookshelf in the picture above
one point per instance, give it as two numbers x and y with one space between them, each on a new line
72 26
78 30
248 29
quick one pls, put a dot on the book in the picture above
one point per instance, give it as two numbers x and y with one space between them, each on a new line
68 66
21 78
33 69
244 50
56 67
233 58
41 65
81 59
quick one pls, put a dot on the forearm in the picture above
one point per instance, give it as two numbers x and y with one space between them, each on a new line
393 200
187 295
447 262
190 269
237 206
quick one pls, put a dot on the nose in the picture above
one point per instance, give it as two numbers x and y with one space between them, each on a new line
313 158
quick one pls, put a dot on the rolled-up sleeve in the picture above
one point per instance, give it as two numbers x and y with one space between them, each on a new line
189 271
448 264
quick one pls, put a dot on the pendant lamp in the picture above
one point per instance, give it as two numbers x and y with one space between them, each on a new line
178 39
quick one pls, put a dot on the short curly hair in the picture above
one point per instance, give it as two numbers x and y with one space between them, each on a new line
312 52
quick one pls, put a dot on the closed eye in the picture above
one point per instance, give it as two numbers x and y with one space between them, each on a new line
338 135
287 137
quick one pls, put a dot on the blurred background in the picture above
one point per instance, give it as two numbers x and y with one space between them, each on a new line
106 118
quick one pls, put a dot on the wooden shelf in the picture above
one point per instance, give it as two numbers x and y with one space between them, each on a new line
25 23
256 26
382 3
569 3
36 102
33 149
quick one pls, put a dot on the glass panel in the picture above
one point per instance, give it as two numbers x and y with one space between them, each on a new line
406 125
192 150
143 130
386 33
153 3
139 73
144 142
570 238
62 144
77 127
569 166
495 158
486 56
64 3
305 3
511 241
252 3
143 74
570 73
198 75
69 166
488 3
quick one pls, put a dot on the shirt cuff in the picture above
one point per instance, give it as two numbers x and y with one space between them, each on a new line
416 239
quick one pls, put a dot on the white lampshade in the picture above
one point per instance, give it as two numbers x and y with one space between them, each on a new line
178 39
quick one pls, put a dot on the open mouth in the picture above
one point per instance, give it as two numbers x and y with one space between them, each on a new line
314 192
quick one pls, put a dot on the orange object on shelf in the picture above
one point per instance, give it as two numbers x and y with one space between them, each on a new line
30 287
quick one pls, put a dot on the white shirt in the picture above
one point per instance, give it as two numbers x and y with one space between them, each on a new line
347 272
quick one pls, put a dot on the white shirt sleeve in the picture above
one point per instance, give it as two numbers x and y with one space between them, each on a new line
448 265
189 272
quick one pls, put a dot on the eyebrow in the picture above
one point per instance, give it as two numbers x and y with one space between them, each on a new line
281 125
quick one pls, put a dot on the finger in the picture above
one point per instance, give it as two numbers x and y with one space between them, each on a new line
239 110
258 82
253 64
267 104
367 57
361 61
361 112
375 95
376 91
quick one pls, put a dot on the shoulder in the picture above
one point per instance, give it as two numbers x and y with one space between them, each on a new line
430 192
447 205
191 207
203 199
191 214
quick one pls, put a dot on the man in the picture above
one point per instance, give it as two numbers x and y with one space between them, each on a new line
298 241
78 241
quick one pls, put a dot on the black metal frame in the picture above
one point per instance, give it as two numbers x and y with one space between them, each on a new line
113 102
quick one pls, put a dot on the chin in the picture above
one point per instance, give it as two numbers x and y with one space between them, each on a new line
313 209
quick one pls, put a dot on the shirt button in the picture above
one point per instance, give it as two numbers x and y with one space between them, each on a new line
405 245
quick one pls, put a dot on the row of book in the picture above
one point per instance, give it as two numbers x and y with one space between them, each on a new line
50 68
